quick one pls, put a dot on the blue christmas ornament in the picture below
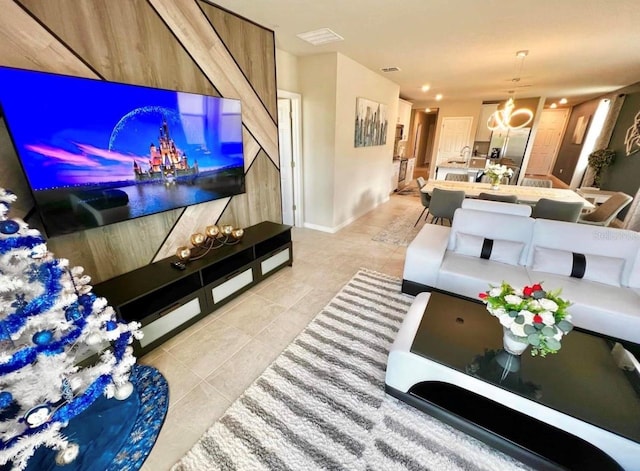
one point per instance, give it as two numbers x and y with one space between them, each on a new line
111 325
6 398
73 313
43 337
9 227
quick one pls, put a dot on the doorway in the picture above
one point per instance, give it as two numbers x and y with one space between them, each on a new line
289 143
422 137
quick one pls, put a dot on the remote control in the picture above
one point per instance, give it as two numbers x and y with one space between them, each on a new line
178 265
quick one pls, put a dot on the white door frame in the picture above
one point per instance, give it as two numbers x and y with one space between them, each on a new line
296 153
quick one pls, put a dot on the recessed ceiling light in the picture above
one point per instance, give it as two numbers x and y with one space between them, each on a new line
563 101
428 110
425 88
553 105
320 36
439 97
522 53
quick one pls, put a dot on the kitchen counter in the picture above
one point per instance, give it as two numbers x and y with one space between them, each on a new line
472 168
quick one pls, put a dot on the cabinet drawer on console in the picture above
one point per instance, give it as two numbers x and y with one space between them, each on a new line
233 284
275 260
169 320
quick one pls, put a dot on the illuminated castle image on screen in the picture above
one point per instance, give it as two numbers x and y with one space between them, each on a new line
97 152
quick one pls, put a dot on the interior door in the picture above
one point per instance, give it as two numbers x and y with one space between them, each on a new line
455 134
547 141
286 160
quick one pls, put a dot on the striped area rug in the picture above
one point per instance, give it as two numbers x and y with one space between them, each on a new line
321 404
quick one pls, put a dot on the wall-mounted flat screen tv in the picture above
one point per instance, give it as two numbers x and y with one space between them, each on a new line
97 152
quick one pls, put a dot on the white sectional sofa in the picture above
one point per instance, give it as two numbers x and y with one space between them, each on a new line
597 268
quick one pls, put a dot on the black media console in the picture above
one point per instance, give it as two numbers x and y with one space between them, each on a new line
166 300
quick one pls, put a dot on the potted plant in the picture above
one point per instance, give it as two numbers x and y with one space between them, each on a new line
598 161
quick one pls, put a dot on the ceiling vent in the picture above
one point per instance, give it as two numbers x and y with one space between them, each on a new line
390 69
320 36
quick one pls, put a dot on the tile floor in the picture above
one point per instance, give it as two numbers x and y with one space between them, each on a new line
212 362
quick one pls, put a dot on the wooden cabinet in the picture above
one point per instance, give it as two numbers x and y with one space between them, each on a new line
166 300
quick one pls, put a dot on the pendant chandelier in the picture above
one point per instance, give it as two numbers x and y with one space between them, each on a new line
508 117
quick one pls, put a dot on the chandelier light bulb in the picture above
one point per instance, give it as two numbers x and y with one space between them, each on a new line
425 88
501 119
439 97
553 105
563 101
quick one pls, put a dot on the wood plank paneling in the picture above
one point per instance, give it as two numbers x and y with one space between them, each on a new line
263 202
193 29
125 41
252 47
27 45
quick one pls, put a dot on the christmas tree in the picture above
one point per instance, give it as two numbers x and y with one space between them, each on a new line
50 321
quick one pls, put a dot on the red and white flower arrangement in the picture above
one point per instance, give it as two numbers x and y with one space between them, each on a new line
532 315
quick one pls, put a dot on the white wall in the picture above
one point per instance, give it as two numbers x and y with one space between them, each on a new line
361 174
287 71
452 109
317 81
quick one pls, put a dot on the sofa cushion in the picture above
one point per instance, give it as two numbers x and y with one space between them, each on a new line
597 307
588 239
591 267
492 226
469 276
497 207
504 251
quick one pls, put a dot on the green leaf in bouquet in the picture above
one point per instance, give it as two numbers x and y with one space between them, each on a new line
519 320
548 331
513 313
533 339
565 326
553 344
529 329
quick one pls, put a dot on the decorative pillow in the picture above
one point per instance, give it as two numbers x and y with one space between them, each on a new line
504 251
607 270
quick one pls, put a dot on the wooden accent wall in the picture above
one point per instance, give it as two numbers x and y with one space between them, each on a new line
185 45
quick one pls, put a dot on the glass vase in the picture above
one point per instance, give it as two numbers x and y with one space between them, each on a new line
512 343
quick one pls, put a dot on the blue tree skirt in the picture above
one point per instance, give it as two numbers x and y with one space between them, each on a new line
114 435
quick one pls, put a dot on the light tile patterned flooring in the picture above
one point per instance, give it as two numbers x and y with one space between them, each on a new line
212 362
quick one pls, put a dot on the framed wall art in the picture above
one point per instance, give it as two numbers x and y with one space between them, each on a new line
371 123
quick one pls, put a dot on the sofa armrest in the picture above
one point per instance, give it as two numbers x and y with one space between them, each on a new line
425 254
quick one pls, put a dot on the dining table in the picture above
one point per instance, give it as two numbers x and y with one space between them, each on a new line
525 194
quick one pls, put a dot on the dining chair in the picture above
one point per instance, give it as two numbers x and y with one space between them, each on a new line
456 177
444 203
537 182
607 211
501 198
486 179
425 199
568 211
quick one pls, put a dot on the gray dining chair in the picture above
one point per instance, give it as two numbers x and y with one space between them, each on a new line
456 177
607 211
537 182
568 211
425 199
444 203
501 198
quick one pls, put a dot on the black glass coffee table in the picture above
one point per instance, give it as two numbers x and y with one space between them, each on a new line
577 409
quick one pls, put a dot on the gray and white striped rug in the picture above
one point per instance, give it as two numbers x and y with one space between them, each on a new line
321 404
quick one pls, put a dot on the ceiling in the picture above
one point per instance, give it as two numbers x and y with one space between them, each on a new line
465 49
